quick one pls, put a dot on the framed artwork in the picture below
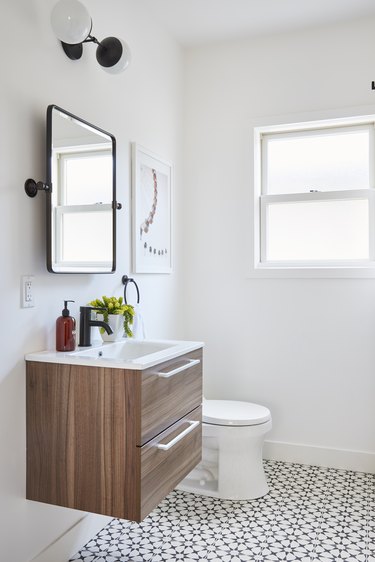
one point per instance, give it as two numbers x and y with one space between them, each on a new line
152 212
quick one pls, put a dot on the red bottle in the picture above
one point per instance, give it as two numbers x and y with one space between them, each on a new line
65 331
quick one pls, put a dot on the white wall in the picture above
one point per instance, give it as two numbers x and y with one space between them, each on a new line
144 104
303 347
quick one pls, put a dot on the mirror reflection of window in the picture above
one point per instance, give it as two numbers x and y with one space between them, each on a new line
83 210
93 231
86 177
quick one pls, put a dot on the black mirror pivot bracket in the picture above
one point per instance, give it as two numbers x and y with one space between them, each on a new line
32 187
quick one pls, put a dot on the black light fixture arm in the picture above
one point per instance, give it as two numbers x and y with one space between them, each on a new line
32 187
74 52
91 39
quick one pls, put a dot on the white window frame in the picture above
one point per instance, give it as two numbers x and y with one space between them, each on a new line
261 201
61 154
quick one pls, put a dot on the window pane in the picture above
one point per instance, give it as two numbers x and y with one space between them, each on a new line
318 161
318 230
88 179
87 237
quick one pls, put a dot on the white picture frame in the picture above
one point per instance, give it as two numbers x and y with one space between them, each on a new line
151 212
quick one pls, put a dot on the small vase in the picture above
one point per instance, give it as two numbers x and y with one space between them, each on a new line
116 321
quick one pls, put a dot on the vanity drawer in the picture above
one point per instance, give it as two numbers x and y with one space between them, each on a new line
168 392
168 458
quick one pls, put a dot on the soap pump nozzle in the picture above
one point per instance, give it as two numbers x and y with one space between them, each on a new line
65 312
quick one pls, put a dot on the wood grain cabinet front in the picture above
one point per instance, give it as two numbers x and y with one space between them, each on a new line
112 441
166 459
169 391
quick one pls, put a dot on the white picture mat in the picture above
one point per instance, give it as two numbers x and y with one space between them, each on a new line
152 212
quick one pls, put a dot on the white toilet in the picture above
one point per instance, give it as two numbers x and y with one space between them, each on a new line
232 465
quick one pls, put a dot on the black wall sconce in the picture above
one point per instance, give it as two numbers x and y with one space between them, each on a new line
72 24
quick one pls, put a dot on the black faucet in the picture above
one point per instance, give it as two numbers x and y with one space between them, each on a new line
85 324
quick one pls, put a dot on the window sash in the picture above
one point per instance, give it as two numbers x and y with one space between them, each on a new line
63 158
349 195
63 210
265 137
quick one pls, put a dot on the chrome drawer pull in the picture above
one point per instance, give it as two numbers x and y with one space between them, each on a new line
191 363
193 425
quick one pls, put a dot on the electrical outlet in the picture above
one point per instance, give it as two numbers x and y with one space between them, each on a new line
27 291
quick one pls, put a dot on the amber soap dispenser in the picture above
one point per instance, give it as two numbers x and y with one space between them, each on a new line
65 331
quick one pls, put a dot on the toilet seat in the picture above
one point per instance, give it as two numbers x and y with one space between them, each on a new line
234 413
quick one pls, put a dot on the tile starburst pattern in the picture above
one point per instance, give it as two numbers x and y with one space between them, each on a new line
311 514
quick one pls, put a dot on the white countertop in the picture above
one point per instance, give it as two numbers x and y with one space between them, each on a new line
116 351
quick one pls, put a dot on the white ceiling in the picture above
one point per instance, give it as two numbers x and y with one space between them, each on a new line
194 22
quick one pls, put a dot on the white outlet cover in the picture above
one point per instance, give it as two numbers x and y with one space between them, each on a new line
27 291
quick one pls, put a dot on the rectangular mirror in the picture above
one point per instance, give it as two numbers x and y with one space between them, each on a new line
81 206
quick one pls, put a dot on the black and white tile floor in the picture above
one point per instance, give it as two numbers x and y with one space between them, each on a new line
311 514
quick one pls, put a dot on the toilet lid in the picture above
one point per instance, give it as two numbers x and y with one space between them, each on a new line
232 412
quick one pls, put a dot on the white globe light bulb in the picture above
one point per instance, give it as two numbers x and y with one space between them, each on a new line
71 22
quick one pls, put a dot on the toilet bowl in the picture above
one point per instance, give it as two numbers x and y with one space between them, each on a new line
232 465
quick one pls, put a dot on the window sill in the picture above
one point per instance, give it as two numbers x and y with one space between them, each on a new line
283 272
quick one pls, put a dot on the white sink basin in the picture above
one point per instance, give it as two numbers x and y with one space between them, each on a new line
125 354
127 350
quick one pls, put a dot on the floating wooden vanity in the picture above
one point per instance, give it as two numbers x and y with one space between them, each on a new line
110 440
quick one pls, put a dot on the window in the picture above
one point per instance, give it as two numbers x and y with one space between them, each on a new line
83 205
314 195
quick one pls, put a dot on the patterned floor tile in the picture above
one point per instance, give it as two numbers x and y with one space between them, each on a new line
84 555
311 514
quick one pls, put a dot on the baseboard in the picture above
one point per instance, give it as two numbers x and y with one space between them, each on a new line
74 539
359 461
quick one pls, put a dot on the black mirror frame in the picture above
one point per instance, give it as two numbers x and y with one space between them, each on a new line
115 206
